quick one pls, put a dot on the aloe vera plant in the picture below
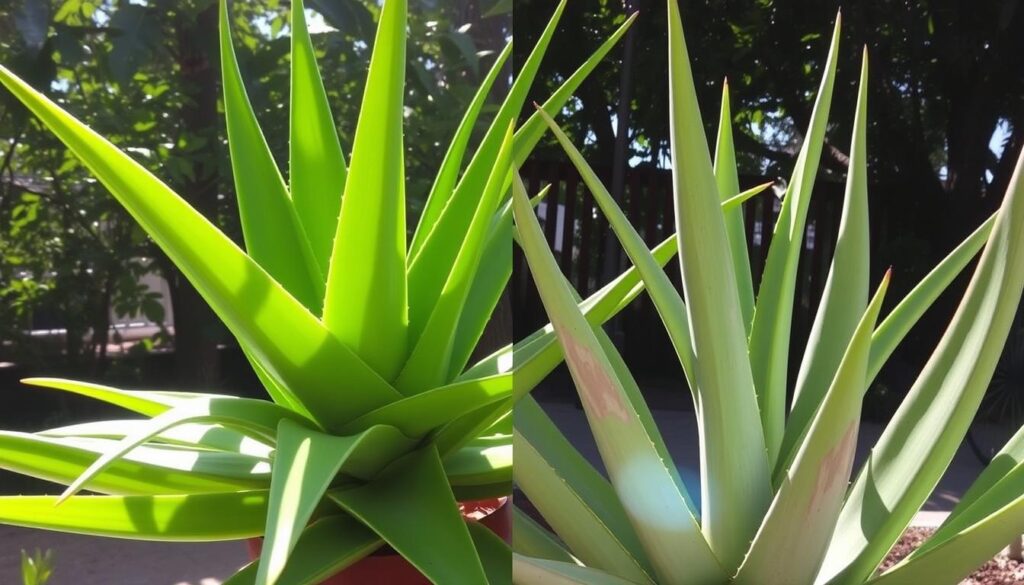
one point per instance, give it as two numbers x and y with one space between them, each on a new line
378 424
776 504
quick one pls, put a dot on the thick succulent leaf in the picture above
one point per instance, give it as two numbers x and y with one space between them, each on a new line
576 501
429 268
422 413
149 403
256 417
770 333
530 133
657 508
535 356
664 295
903 317
728 181
324 548
366 304
955 558
489 284
316 165
306 464
845 294
732 203
484 463
1007 462
438 543
143 470
428 364
192 517
787 551
919 442
203 436
495 554
534 571
275 389
533 540
273 236
735 473
252 304
448 174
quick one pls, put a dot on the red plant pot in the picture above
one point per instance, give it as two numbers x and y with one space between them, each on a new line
386 566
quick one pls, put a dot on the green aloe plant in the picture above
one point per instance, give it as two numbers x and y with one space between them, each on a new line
37 568
378 424
776 503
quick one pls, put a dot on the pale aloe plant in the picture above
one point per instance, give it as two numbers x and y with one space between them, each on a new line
377 426
776 503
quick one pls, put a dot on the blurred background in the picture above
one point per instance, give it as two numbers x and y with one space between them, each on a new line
946 124
83 292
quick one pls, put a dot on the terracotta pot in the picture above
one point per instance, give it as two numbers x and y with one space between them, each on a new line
387 567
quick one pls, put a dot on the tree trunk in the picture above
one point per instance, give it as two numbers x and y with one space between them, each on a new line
197 331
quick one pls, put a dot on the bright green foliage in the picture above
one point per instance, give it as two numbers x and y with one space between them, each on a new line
378 422
777 505
36 569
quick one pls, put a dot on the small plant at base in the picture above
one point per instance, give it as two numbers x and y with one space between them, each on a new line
378 423
775 502
36 569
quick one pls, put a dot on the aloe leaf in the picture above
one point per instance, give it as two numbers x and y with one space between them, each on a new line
191 517
899 322
366 305
787 551
422 413
495 554
845 294
204 436
448 174
257 417
534 571
481 467
306 464
317 168
530 133
273 237
253 305
666 299
728 181
733 202
142 402
735 473
770 333
961 554
438 542
489 283
324 548
429 361
533 540
982 504
275 389
144 470
919 442
1005 463
536 356
577 502
429 268
664 522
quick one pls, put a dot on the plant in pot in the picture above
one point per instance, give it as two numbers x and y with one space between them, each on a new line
378 425
775 502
